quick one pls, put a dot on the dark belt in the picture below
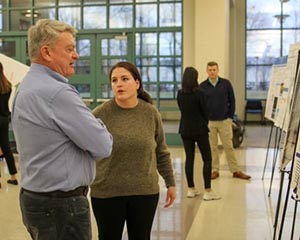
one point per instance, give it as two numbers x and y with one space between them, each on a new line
80 191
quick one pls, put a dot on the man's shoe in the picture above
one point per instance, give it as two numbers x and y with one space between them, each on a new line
214 175
192 193
13 182
241 175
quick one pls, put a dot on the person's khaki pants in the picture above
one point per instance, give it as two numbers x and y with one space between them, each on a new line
224 129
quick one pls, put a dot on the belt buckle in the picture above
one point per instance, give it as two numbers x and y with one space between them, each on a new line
85 190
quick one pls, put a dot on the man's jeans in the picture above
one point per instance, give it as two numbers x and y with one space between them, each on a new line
56 218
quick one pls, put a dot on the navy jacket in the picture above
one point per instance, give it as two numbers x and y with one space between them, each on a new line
194 114
220 99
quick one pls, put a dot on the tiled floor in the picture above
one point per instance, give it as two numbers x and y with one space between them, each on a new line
246 211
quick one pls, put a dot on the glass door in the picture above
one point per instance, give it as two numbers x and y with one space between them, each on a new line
110 49
16 48
97 54
84 77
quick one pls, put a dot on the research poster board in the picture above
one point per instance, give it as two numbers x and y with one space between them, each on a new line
14 71
277 92
292 70
292 130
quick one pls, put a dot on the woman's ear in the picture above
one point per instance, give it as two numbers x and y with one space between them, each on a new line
137 84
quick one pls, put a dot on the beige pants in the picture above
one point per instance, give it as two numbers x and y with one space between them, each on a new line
224 129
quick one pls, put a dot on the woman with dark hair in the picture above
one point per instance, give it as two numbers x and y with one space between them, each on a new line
193 129
5 91
126 186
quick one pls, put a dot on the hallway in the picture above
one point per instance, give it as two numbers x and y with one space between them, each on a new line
245 211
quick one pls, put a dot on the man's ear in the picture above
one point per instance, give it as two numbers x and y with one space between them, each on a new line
45 53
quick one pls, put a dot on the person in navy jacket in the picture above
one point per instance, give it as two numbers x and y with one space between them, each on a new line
221 104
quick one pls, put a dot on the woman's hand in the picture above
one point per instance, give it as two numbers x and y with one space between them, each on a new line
170 198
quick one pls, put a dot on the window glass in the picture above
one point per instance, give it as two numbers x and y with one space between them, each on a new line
44 3
170 14
118 47
21 21
167 44
258 81
8 48
146 44
83 89
151 89
18 3
263 14
120 1
178 43
148 73
87 2
263 47
68 2
166 90
3 3
268 40
70 15
289 37
94 17
3 15
106 90
291 11
83 47
45 13
83 66
146 61
146 15
120 16
113 47
170 69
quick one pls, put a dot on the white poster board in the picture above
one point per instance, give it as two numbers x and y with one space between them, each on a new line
292 130
292 70
295 182
14 71
277 92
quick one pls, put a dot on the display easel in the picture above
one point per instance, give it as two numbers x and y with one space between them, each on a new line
268 149
276 150
289 154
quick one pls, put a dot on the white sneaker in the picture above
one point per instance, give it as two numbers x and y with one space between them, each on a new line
208 196
192 193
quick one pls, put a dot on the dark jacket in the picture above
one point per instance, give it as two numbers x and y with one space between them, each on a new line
194 114
4 111
220 99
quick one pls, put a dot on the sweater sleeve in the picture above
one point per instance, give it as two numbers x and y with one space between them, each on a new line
164 163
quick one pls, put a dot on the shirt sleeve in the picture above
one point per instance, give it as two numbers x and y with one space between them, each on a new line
77 122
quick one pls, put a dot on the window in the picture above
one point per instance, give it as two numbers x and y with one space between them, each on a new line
156 27
271 27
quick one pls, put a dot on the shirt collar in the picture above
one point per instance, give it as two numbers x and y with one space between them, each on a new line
214 83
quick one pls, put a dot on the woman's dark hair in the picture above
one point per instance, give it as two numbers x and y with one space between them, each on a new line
190 80
142 94
5 85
